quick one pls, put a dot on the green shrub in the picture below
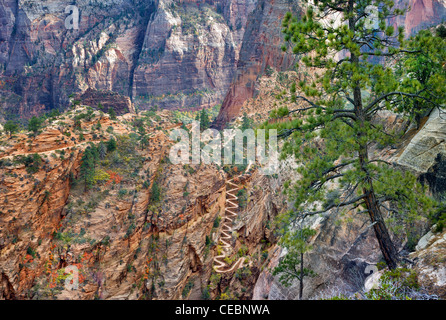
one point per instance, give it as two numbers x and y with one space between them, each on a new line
187 288
206 295
31 252
217 222
155 194
122 193
395 285
243 273
438 218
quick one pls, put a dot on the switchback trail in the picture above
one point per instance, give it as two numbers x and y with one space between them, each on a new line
231 205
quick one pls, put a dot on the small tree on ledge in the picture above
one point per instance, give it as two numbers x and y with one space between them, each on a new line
291 267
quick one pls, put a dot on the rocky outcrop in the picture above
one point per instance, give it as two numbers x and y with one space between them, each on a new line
425 144
106 100
430 263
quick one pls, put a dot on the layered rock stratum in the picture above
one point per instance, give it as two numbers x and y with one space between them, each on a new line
173 54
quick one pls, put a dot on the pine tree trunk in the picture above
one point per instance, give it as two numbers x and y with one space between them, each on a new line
301 287
382 234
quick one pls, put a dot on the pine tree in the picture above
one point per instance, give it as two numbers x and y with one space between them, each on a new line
291 267
77 124
94 150
11 127
204 120
87 169
111 145
423 74
144 141
247 123
35 124
112 113
102 150
333 136
155 194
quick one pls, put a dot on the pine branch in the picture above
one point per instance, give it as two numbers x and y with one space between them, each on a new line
384 96
342 204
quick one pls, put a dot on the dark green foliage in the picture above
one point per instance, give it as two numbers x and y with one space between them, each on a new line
94 153
89 115
441 31
155 194
269 71
144 141
395 285
216 222
438 218
187 288
146 184
111 145
247 123
53 114
204 120
87 169
77 124
242 196
112 113
35 124
98 125
138 123
243 273
291 267
279 113
102 150
31 252
11 127
122 193
33 163
423 74
111 163
206 295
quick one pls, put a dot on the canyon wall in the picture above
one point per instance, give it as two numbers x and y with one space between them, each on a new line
171 54
421 14
174 54
261 49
